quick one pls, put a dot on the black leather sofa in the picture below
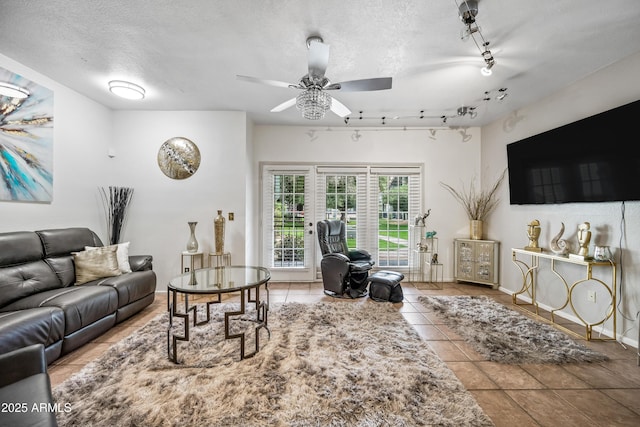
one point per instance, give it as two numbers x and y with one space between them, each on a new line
25 389
40 303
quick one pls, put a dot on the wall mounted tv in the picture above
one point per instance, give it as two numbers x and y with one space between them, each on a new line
590 160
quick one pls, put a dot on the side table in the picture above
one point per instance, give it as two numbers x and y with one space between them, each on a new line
217 259
193 256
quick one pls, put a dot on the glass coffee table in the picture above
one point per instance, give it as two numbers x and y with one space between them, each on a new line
246 280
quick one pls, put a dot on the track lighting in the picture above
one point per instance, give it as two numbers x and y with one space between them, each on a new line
468 10
464 110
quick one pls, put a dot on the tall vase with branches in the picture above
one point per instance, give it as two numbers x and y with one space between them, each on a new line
115 201
477 203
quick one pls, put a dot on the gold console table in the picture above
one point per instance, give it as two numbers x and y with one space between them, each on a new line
529 270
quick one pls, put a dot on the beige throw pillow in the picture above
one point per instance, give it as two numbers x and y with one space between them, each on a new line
95 264
122 253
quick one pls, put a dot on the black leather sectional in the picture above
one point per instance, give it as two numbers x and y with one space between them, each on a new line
39 303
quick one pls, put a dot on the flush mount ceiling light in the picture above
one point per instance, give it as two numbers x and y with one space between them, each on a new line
126 90
13 91
468 10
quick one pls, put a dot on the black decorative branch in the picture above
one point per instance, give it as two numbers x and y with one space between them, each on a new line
115 201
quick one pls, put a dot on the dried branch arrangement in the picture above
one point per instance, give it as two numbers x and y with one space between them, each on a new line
477 204
115 201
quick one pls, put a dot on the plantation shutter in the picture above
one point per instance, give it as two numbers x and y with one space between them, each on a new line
360 172
268 228
414 175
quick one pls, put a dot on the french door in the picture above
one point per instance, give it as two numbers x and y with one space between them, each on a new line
376 204
288 222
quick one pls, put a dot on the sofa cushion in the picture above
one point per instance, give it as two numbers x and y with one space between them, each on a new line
20 281
64 268
63 241
95 264
82 305
130 287
19 247
44 325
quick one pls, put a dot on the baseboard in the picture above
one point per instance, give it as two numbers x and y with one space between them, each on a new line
597 330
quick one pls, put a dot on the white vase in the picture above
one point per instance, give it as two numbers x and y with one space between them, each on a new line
192 243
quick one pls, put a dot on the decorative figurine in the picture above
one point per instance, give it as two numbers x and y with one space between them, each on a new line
584 237
533 232
559 246
421 220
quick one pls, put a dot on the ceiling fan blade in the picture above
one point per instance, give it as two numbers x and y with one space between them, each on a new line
380 83
318 59
284 105
339 108
266 82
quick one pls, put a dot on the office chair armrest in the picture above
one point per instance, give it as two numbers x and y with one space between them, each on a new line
337 256
359 255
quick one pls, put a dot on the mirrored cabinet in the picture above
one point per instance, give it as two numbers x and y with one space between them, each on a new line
476 261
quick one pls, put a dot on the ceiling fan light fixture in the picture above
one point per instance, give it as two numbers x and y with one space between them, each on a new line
126 89
13 91
313 103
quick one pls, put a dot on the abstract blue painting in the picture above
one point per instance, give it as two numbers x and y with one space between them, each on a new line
26 139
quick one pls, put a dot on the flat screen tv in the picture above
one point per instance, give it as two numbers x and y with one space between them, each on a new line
591 160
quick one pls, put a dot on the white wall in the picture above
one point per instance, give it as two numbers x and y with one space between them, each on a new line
228 179
81 134
278 144
161 206
613 86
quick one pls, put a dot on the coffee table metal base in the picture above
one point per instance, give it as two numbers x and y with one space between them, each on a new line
261 320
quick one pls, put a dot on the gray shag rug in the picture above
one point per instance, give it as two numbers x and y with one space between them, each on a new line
506 336
325 364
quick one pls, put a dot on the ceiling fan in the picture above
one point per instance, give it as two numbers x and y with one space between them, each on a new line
314 100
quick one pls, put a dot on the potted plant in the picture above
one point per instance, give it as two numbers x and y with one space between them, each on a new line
478 204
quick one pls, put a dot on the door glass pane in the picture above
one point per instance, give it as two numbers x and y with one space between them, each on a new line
288 221
340 203
393 220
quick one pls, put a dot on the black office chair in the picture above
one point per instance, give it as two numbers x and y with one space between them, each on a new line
344 272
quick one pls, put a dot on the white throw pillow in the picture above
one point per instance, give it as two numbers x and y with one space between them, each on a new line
122 253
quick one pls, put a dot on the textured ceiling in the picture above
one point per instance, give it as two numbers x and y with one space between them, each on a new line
187 53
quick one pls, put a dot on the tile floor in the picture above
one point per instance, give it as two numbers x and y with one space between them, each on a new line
603 394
